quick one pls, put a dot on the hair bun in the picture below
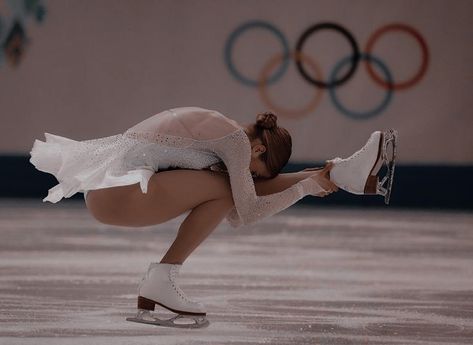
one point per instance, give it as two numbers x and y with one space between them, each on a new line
266 120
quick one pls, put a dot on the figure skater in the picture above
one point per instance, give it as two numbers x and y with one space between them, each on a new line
197 160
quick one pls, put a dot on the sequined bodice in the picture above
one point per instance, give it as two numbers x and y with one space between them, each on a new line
158 157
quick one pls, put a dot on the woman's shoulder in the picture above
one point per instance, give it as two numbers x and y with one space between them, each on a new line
229 120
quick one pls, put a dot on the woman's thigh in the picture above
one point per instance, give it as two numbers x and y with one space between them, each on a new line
170 193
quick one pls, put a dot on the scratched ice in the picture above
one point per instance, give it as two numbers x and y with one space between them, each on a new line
304 276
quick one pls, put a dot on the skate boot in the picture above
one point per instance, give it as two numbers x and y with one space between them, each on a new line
358 174
159 286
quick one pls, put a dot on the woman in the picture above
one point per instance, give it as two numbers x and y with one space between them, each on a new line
183 159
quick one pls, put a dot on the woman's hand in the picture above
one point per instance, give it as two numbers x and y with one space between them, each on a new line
322 178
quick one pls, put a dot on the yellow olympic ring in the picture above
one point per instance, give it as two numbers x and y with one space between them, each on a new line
264 77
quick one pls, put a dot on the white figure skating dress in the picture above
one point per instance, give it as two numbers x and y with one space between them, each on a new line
186 137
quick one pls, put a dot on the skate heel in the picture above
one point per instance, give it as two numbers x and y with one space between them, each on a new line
145 303
371 185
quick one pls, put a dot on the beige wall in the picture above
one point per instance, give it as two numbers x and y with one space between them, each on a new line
95 68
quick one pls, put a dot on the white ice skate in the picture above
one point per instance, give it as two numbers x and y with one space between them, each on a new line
159 287
358 174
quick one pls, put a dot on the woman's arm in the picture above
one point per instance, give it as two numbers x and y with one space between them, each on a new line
265 186
283 181
235 152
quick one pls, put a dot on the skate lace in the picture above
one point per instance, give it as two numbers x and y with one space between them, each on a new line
172 277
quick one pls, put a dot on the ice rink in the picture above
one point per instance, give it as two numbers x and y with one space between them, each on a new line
305 276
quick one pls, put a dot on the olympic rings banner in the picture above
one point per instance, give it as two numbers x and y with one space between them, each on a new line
310 70
334 71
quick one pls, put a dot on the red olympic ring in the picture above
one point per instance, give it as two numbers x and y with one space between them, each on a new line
265 75
425 56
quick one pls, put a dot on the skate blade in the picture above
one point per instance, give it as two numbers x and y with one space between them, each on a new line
189 321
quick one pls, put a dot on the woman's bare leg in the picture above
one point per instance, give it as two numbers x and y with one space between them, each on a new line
170 193
199 223
203 219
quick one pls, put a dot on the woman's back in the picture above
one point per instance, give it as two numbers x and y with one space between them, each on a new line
188 122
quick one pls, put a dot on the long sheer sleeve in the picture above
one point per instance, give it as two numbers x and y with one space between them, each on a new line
235 151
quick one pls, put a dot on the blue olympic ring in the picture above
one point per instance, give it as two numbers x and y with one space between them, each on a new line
369 113
231 41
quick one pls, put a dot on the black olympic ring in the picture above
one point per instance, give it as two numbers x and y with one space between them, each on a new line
355 57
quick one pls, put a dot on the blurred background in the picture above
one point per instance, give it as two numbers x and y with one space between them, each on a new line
349 271
90 69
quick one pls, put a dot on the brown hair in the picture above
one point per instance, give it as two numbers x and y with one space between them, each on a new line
277 141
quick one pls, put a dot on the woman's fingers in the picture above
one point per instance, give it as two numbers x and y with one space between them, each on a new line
323 179
333 187
328 185
326 170
326 167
